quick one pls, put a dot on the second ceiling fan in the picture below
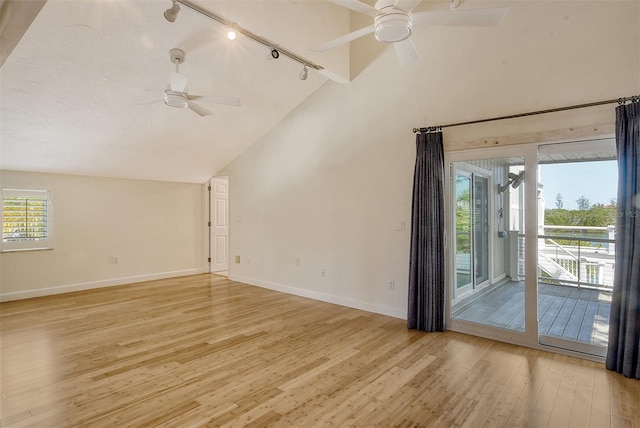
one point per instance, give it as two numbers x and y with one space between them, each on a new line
175 94
393 23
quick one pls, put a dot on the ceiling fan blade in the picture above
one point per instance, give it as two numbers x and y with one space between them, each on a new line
157 100
217 99
344 39
357 6
462 17
178 82
406 5
406 52
128 85
199 109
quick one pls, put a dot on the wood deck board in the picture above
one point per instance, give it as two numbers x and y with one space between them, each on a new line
204 350
565 312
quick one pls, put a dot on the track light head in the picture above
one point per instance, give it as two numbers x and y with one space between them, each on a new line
172 13
304 73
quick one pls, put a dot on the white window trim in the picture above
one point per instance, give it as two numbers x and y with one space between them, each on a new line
45 244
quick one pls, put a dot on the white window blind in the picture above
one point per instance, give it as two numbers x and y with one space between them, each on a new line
26 220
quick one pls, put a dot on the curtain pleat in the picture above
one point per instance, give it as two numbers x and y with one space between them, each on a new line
426 265
623 353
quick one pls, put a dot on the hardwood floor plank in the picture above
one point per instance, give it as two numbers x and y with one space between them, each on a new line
206 351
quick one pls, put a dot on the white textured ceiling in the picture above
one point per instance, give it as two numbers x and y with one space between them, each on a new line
72 87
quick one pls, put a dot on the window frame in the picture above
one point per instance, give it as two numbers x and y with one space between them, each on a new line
29 245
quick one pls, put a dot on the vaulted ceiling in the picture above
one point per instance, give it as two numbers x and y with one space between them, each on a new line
76 86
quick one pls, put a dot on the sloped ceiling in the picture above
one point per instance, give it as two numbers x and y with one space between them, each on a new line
75 88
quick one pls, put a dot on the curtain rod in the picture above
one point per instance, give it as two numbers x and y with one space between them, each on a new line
621 101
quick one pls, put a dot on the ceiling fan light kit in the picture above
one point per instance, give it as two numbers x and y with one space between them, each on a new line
175 99
392 25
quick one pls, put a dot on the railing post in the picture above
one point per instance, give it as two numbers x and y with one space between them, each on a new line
513 255
582 270
611 246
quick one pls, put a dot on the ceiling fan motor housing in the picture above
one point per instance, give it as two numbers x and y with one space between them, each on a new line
176 99
391 25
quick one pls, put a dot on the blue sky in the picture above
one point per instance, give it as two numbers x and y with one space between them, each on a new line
598 181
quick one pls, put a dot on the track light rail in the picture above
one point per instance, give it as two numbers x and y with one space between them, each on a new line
634 99
238 29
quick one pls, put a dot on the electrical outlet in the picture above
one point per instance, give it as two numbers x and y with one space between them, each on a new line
323 273
392 284
237 259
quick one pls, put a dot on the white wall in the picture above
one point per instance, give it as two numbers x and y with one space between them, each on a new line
330 183
156 229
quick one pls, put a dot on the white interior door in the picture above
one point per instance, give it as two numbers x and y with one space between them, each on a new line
220 224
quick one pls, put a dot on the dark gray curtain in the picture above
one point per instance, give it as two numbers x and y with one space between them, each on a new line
426 266
623 354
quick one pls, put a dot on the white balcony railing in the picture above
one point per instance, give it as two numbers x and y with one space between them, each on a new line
568 259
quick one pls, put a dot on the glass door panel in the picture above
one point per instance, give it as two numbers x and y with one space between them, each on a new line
481 229
576 247
463 262
488 219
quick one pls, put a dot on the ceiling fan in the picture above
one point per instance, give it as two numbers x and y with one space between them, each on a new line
175 93
393 23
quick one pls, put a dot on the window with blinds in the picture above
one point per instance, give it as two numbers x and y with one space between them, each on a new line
26 220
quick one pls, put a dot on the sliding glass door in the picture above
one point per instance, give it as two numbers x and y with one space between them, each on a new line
531 261
471 219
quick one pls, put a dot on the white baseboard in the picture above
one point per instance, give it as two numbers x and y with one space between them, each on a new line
50 291
323 297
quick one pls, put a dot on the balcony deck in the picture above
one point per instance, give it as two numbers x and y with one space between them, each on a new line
565 312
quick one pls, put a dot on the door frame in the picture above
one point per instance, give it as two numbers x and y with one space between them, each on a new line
529 337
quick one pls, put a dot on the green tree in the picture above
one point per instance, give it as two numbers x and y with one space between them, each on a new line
583 203
559 203
599 215
463 221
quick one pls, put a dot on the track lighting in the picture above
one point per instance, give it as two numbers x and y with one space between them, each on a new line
172 13
454 4
304 73
234 30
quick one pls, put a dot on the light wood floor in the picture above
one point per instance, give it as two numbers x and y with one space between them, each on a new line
206 351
